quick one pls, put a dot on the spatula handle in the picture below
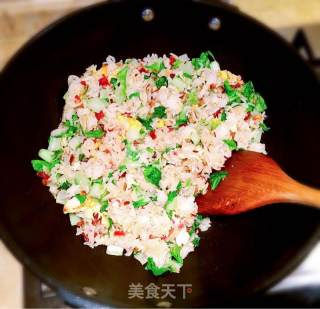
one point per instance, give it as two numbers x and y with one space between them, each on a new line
302 194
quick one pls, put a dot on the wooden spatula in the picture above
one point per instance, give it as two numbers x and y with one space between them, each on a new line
254 180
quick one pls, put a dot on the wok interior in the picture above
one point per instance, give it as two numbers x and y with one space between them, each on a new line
238 255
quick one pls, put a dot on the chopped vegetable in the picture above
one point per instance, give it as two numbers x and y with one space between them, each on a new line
258 101
139 203
122 77
187 75
264 127
40 165
81 198
173 194
232 144
114 82
94 133
157 271
175 253
182 119
152 174
161 82
159 112
104 206
214 123
223 116
156 67
134 95
177 63
132 154
196 241
146 123
65 186
248 89
192 98
195 225
233 94
216 178
203 61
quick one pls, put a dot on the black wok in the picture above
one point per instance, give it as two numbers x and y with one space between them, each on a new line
239 255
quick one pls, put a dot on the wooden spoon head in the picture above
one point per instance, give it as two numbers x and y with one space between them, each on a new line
253 180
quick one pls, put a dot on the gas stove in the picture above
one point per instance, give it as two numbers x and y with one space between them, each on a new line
300 289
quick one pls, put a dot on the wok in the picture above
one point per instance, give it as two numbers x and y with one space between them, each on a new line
239 255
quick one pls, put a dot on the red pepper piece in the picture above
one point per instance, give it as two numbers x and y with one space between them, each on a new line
143 70
248 115
103 82
119 233
43 175
172 60
99 115
77 98
153 134
218 112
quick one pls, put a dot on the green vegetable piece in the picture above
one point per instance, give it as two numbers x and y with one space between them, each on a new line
98 181
94 134
196 241
74 117
146 122
139 203
72 127
110 224
153 198
195 225
81 198
122 168
65 186
192 98
159 112
187 75
122 77
203 61
134 95
177 63
81 156
182 119
214 123
40 165
157 271
233 94
161 81
264 127
250 108
173 194
232 144
152 175
248 89
260 104
104 206
46 155
114 82
156 67
188 183
216 178
146 77
175 254
150 150
131 154
223 116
